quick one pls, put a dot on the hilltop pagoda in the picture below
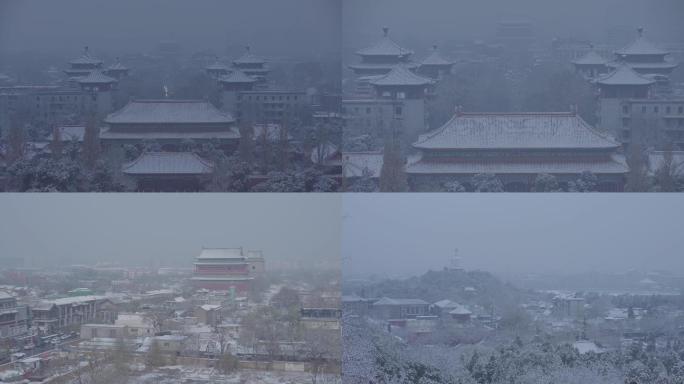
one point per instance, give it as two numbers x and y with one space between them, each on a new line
381 57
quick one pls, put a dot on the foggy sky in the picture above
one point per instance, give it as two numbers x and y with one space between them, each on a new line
166 229
427 22
269 26
406 235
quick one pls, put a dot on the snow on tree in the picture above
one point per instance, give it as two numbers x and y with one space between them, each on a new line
486 182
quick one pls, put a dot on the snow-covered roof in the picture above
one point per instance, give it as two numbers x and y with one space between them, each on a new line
221 253
436 58
590 58
176 163
379 67
5 295
210 307
615 164
666 64
641 46
117 67
86 59
385 47
460 310
168 112
446 303
96 77
388 301
222 278
586 346
623 75
237 77
534 130
218 66
249 58
400 75
75 300
354 164
70 132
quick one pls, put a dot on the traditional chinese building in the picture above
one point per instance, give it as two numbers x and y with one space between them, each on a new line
217 69
380 58
232 85
226 269
644 57
83 65
614 88
169 122
591 64
516 147
117 70
252 65
169 171
435 66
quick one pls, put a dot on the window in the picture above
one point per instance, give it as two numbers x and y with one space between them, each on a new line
643 109
680 109
668 109
625 109
397 110
368 110
656 109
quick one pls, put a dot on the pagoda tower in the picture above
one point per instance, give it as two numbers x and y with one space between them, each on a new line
409 91
83 65
252 65
100 86
117 70
644 57
223 269
217 69
435 66
381 57
614 88
591 64
231 86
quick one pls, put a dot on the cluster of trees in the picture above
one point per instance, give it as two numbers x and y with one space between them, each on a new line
379 359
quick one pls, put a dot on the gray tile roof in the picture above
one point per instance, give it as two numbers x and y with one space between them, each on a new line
237 77
221 253
96 77
590 58
385 47
623 75
249 58
614 164
86 58
400 75
174 163
388 301
542 130
436 58
641 46
168 112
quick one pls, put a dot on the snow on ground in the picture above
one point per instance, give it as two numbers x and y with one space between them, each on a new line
175 374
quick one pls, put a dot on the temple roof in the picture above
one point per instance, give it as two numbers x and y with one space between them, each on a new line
176 163
249 58
218 66
86 58
623 75
614 164
385 47
400 75
536 130
168 112
388 301
641 46
96 77
590 58
436 58
237 77
117 67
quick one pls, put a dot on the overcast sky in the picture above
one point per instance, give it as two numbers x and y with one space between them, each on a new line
166 229
408 234
419 24
271 26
